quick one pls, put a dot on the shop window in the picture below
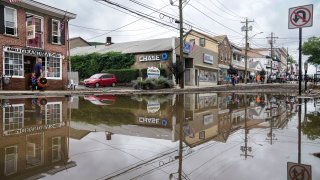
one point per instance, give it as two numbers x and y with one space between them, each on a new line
11 159
56 31
13 118
35 25
56 149
202 42
34 150
13 64
10 16
53 68
53 113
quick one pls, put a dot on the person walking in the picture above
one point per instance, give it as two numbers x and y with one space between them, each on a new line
258 78
38 68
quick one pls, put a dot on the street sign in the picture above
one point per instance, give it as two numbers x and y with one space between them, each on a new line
298 171
300 17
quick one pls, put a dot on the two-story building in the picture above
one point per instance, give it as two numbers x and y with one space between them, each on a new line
218 44
31 30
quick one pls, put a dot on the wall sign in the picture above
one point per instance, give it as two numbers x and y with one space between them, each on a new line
145 58
31 32
186 48
33 129
153 72
32 52
164 56
207 58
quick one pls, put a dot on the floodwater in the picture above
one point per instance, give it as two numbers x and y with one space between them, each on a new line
186 136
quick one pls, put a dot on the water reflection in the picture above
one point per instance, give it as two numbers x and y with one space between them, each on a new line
34 137
178 136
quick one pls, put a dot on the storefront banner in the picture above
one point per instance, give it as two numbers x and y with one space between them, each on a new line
207 58
33 129
31 32
32 52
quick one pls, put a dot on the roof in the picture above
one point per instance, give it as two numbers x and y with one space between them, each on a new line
153 45
46 9
89 44
220 38
190 32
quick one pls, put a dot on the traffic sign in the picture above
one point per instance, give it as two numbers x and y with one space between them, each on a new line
298 171
300 17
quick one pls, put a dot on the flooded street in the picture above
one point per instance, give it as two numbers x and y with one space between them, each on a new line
191 136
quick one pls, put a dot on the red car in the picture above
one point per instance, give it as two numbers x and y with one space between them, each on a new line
102 79
106 99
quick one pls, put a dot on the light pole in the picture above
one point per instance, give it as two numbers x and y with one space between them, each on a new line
305 76
181 61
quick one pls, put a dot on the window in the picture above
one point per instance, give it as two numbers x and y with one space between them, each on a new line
192 41
202 42
56 149
56 32
13 118
10 16
37 21
11 159
53 68
13 64
34 150
53 113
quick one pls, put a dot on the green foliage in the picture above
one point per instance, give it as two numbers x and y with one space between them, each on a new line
153 83
312 48
124 75
93 63
291 60
312 127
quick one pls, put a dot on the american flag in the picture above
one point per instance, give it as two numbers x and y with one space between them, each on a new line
14 1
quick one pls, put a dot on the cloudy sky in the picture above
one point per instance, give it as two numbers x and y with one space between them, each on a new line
97 19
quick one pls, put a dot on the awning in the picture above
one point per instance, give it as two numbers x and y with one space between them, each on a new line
206 67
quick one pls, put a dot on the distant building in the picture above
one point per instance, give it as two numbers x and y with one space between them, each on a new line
78 42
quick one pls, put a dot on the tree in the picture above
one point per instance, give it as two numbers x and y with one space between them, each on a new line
291 60
312 48
312 127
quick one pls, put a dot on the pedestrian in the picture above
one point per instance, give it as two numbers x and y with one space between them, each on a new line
233 79
258 78
37 73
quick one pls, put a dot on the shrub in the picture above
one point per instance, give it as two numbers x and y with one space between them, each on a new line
153 83
124 75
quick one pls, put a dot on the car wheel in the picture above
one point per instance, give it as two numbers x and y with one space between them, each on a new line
97 85
113 84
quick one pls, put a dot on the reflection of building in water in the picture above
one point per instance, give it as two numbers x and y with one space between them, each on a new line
201 113
34 137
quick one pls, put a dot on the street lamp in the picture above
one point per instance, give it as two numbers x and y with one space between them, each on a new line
305 76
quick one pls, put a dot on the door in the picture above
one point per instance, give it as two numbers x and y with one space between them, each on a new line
196 75
29 63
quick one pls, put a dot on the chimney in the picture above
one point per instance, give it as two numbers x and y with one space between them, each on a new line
108 42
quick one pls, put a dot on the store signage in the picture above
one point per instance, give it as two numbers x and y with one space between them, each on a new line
153 72
153 107
186 48
31 32
207 58
153 121
145 58
33 129
31 52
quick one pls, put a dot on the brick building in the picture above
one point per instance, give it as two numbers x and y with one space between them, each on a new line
31 30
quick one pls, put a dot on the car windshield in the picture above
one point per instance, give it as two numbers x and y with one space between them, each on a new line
96 76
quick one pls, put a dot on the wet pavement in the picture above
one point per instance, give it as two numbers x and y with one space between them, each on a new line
191 136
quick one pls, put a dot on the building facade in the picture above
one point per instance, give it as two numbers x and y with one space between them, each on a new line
31 30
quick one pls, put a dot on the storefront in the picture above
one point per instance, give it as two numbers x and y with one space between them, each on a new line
30 30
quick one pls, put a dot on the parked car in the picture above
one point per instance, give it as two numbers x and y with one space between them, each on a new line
102 100
102 79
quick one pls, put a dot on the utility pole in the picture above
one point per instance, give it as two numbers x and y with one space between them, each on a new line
246 29
287 62
181 76
245 148
271 41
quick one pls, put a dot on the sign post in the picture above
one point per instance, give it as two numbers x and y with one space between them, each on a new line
300 17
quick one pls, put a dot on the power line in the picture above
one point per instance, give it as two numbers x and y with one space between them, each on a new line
229 9
112 29
214 20
222 10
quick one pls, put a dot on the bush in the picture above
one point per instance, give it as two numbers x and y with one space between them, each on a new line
124 75
153 83
94 63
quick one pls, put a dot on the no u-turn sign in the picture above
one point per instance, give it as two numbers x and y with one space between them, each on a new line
301 16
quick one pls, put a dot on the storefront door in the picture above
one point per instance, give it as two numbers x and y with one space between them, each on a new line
29 63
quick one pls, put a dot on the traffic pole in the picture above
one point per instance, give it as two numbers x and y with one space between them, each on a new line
300 60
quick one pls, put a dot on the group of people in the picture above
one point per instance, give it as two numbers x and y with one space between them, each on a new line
234 78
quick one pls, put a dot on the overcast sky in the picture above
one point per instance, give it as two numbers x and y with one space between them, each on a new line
215 17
